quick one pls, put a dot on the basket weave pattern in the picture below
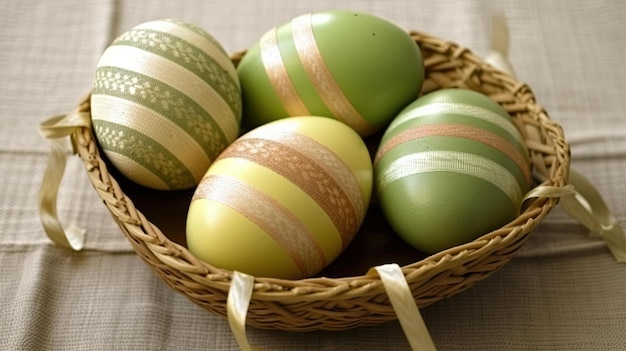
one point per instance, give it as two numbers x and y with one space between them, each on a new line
343 303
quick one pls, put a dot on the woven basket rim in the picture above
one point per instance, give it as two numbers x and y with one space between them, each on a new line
196 279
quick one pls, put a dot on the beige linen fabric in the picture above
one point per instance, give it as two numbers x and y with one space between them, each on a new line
562 291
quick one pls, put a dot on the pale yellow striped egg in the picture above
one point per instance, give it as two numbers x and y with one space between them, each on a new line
283 200
165 102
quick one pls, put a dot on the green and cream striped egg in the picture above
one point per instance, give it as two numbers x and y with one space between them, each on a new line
351 66
165 102
283 200
450 167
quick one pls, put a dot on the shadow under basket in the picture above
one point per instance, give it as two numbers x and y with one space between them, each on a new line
344 296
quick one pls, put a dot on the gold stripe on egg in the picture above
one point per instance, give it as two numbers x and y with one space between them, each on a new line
313 169
267 213
454 162
314 150
321 77
460 109
289 195
461 131
326 158
333 164
179 78
278 76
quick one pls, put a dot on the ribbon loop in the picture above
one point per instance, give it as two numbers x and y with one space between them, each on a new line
497 57
404 305
54 129
587 206
579 198
63 125
237 304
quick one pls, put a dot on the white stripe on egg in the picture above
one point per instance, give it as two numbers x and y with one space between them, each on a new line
210 48
177 77
437 108
158 127
454 162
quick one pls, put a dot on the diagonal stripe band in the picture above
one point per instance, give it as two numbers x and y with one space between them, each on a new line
278 76
269 215
455 162
321 77
461 131
459 109
315 177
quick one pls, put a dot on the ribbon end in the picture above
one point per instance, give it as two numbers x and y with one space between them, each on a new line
500 34
237 304
615 239
500 45
75 237
54 129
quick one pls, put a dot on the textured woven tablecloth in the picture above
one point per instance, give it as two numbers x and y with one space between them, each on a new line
562 291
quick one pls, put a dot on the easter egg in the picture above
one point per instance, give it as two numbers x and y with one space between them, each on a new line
351 66
284 200
451 167
166 101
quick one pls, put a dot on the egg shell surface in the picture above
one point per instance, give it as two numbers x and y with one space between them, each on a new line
284 200
166 101
351 66
451 166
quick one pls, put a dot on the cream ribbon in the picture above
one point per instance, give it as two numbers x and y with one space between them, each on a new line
579 198
586 206
395 286
403 303
55 129
237 304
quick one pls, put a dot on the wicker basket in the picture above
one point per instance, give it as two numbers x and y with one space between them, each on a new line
352 298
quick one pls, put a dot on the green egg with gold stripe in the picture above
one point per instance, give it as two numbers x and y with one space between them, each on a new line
350 66
166 101
282 201
450 167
